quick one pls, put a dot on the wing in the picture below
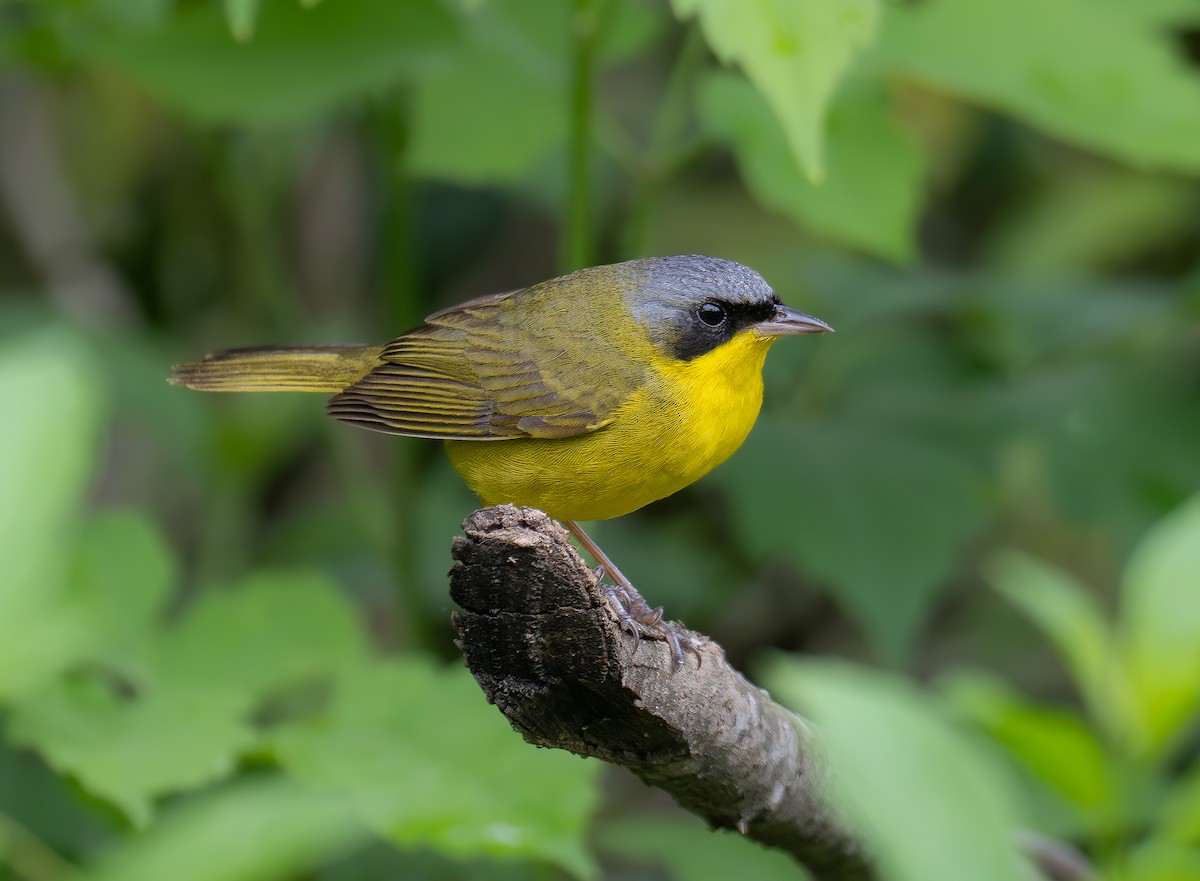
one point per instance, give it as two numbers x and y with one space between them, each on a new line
526 363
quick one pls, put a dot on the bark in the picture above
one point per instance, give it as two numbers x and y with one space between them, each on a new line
543 642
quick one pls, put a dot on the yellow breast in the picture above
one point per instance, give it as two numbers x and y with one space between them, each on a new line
690 417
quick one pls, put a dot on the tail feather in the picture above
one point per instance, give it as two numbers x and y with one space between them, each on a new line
279 369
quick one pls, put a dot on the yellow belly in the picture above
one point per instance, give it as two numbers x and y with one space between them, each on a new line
668 434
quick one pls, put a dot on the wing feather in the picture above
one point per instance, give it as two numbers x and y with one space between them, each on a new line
521 364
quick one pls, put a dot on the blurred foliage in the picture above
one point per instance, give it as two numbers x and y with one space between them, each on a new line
923 776
1128 760
224 648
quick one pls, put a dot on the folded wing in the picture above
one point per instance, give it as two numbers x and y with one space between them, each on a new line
521 364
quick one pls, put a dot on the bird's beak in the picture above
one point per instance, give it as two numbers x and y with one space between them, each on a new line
786 322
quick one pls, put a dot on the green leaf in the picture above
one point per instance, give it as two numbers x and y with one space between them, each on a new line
241 15
491 114
46 456
259 830
1124 90
183 719
1161 618
269 631
129 749
872 190
302 61
429 763
1054 745
47 450
1065 612
794 53
901 770
691 851
1162 861
121 577
878 514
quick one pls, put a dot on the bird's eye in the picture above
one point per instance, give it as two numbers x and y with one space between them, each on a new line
712 314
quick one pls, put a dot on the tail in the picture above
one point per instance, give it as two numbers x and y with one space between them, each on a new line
279 369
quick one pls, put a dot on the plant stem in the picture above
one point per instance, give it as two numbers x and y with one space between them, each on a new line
578 251
392 126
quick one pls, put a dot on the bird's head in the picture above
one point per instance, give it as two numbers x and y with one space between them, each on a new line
692 305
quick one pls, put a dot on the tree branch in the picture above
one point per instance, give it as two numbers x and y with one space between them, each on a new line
545 646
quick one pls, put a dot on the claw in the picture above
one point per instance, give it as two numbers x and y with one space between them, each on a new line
634 614
676 648
646 622
619 600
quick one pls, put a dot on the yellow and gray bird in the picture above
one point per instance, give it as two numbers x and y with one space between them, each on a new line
587 396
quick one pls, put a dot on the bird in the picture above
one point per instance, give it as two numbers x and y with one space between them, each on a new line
587 396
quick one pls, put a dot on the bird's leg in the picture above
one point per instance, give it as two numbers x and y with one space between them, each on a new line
633 602
634 613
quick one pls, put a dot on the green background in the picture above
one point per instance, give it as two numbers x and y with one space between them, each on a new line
964 536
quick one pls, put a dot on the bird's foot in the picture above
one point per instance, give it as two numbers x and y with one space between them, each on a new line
637 617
